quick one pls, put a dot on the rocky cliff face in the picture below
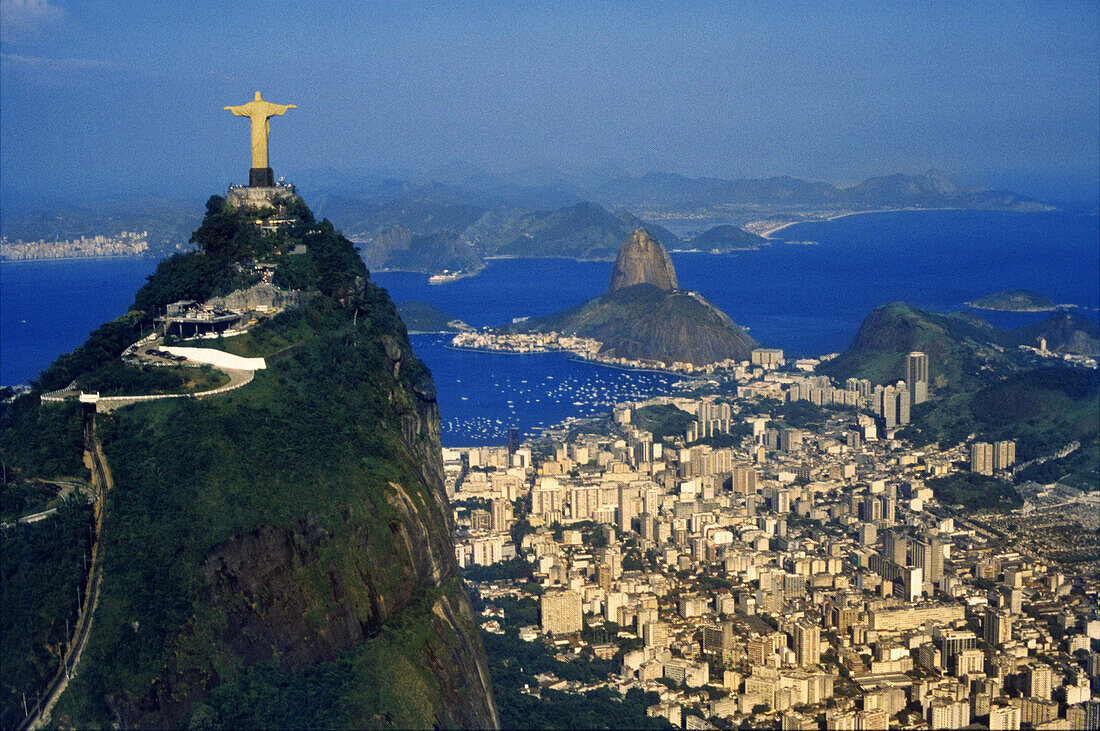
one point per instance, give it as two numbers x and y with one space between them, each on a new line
643 260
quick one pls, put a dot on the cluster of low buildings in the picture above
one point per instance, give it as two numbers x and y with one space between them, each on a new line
125 243
587 348
797 579
527 342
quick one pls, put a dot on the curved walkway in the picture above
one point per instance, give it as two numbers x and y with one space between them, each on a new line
241 375
237 378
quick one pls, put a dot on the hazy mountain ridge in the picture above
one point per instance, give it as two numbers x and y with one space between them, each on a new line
540 211
930 190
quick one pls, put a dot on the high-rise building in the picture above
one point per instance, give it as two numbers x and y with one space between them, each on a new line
868 534
886 406
790 440
1004 718
928 555
1035 711
1038 680
718 640
870 509
627 510
948 714
1092 714
655 634
981 458
501 514
916 377
560 612
767 357
584 502
1004 455
934 571
744 479
894 547
807 643
903 404
996 627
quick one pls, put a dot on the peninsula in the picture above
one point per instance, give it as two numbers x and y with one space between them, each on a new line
646 317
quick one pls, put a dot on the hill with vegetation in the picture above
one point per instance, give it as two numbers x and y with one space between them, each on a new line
982 384
422 317
726 238
1041 409
582 231
1064 332
400 249
1015 300
281 555
964 351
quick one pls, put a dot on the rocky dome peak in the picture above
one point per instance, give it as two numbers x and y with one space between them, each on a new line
643 260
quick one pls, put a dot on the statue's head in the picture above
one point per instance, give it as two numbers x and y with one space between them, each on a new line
258 97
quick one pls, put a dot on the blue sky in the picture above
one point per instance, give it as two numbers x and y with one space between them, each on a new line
114 95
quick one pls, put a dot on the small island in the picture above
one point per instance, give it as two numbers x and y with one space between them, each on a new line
1016 300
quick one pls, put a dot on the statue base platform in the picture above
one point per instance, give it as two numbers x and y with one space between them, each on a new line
261 178
260 197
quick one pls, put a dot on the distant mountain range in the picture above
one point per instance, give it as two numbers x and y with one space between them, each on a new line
544 213
455 217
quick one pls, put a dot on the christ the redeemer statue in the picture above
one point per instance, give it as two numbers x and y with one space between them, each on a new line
260 112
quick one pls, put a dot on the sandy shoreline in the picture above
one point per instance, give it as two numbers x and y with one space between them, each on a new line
767 233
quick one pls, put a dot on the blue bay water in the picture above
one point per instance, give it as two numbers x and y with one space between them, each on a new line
806 299
49 307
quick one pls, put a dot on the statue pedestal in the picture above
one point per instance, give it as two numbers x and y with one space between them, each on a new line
261 178
260 197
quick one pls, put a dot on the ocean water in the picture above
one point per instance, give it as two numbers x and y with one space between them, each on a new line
49 307
805 298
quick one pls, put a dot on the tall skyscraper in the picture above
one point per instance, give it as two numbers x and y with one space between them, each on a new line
916 376
895 546
501 511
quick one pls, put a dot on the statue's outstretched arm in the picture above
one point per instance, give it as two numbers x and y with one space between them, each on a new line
280 109
238 111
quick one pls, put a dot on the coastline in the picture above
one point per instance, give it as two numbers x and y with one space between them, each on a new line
767 233
973 306
78 258
577 357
